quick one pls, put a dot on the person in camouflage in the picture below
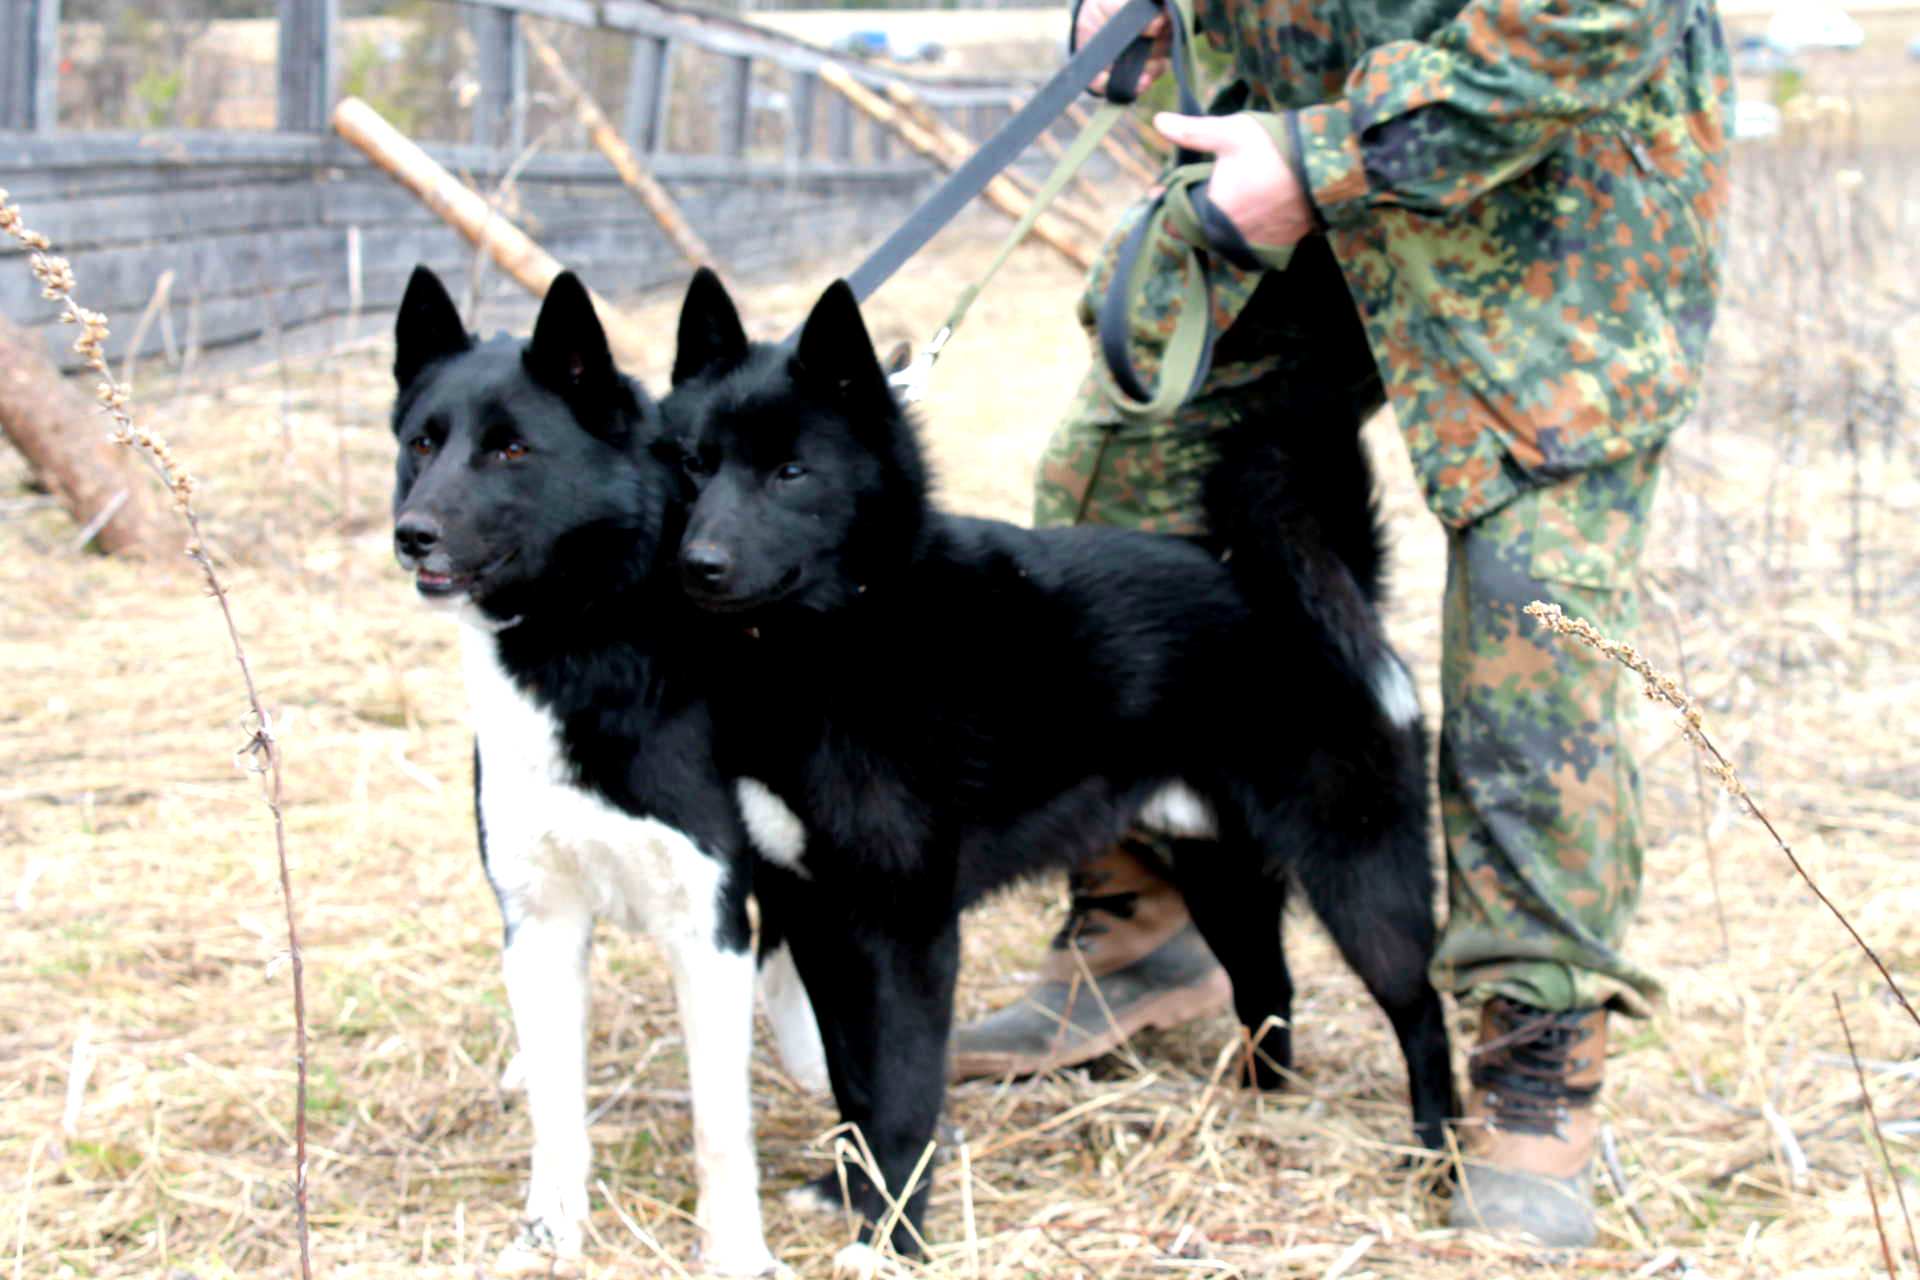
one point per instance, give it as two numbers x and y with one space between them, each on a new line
1504 219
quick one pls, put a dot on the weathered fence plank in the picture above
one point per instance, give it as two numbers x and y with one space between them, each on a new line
649 85
309 31
29 64
804 94
840 128
500 112
739 106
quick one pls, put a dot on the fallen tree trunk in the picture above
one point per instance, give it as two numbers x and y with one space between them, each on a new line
469 214
63 436
619 154
1001 192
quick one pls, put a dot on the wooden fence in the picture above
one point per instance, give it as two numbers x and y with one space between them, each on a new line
252 236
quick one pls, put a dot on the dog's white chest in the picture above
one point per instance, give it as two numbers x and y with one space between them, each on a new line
551 843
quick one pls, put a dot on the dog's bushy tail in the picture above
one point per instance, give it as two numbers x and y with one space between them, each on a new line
1291 504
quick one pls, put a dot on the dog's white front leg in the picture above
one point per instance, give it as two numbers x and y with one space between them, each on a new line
546 972
714 988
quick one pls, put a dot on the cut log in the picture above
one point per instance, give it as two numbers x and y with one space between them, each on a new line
615 149
1111 145
63 436
958 146
469 214
1007 197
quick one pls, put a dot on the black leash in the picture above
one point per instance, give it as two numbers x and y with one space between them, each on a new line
1118 37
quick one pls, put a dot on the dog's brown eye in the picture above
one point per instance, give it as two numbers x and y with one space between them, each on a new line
421 446
512 451
790 471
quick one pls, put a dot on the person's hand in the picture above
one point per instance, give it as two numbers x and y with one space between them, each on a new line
1094 15
1252 182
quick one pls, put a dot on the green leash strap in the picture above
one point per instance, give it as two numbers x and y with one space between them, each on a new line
911 382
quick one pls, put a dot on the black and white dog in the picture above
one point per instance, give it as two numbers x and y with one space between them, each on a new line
923 708
527 505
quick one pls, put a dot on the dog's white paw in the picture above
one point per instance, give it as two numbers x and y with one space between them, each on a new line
739 1258
858 1262
809 1073
541 1251
812 1199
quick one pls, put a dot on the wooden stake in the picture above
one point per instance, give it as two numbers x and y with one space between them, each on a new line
616 150
1055 148
1002 193
464 209
958 147
1121 156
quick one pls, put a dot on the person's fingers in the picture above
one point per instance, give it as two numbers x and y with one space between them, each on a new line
1095 14
1197 133
1155 67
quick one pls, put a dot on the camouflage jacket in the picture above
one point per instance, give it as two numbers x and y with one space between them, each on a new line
1526 198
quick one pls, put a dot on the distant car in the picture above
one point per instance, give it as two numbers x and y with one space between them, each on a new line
877 44
863 44
1814 24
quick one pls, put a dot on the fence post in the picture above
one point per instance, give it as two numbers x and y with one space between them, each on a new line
500 112
29 64
840 128
649 94
740 106
307 60
806 92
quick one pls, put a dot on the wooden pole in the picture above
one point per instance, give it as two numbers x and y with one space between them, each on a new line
1121 156
63 435
470 215
1002 193
615 149
1079 181
958 147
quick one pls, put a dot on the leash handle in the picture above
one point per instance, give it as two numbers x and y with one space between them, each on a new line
1189 351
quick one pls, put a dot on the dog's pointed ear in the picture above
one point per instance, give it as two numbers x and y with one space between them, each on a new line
835 353
568 351
428 327
711 335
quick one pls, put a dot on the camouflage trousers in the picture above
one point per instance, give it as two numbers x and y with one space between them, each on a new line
1539 794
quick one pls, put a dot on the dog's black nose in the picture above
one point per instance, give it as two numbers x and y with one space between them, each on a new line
705 564
415 534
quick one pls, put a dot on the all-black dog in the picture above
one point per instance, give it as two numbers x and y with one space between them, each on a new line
527 504
924 708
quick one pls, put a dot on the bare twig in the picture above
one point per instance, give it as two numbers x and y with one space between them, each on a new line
1700 786
1661 688
56 285
1873 1120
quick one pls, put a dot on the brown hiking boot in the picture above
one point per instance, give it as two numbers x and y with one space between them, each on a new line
1128 929
1527 1142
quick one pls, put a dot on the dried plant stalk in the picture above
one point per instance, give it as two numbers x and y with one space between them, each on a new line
56 278
1662 688
1880 1140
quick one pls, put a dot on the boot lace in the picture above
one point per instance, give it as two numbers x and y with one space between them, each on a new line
1524 1069
1090 912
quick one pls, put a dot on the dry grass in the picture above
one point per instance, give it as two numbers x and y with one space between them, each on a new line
144 930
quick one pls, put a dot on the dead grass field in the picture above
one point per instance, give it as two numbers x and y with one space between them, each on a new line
146 1080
